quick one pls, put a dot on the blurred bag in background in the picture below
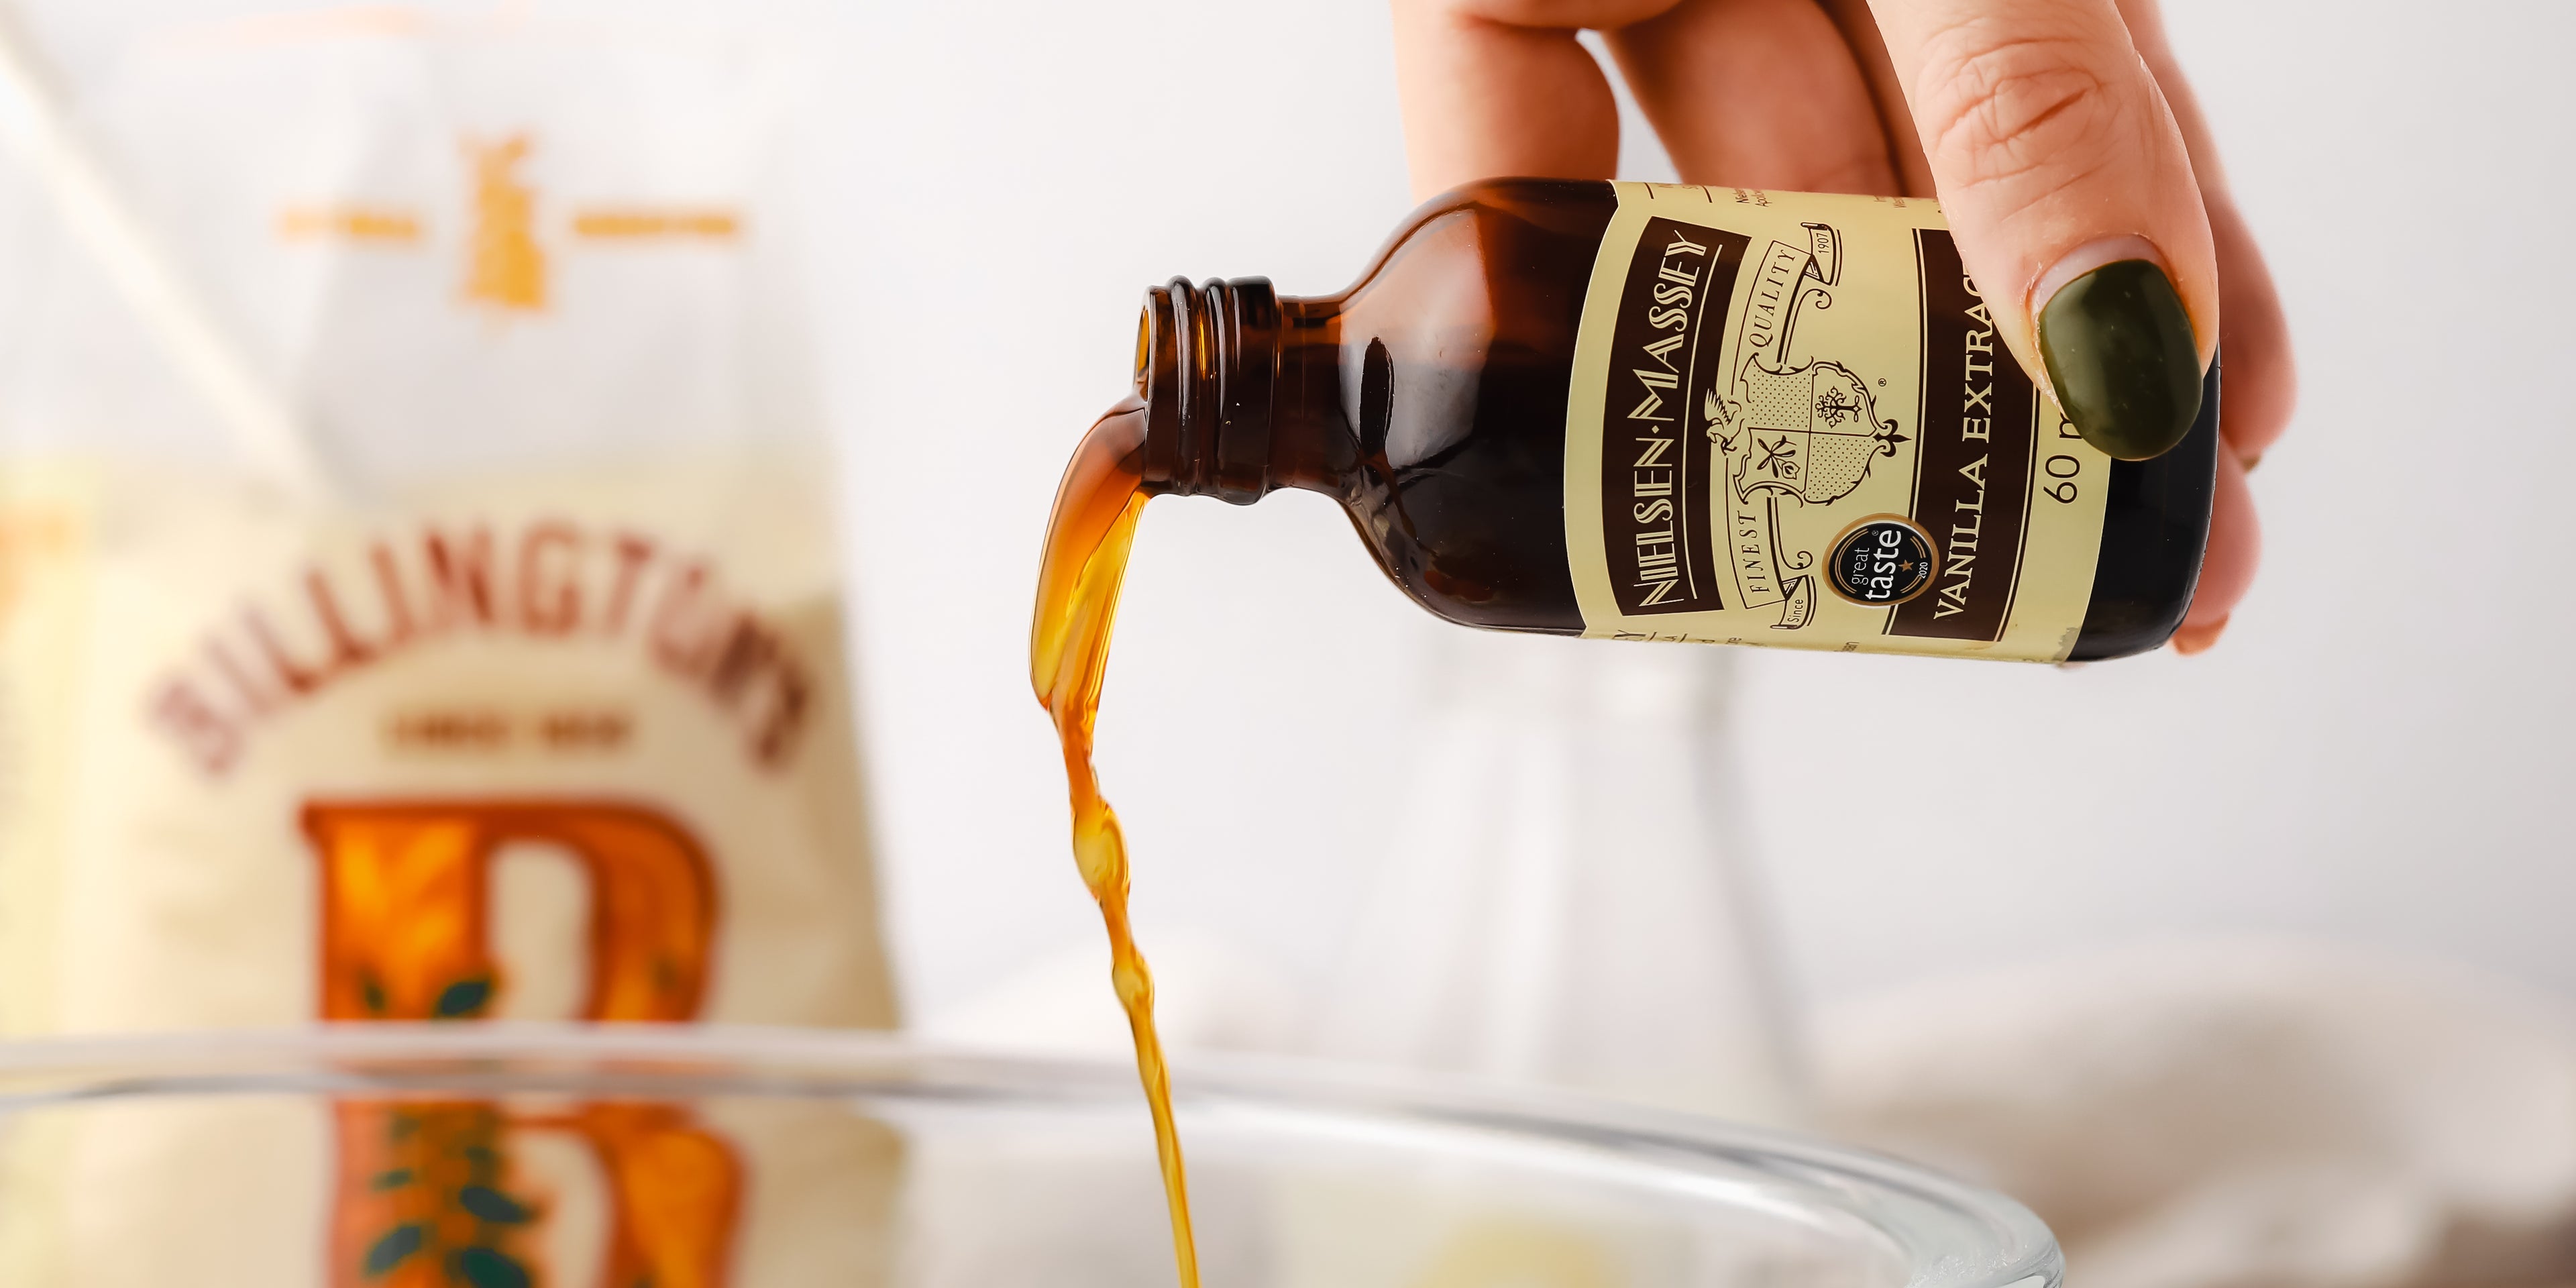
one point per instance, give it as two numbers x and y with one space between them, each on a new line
535 706
541 710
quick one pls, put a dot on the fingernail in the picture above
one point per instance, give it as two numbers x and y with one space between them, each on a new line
2188 640
2119 350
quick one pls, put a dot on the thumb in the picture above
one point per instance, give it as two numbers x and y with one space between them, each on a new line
2070 192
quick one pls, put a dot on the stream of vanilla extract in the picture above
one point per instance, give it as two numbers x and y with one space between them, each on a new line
1087 541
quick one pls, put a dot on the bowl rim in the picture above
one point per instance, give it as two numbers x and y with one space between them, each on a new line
1981 1239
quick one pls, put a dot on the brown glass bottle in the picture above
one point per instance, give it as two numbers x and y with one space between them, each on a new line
1430 399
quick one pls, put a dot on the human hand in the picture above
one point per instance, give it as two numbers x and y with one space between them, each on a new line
2058 134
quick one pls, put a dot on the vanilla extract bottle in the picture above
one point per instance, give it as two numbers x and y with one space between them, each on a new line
1644 411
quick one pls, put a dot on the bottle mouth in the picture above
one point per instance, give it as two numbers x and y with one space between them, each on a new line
1207 359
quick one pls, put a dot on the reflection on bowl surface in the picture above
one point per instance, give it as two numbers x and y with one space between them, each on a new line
498 1156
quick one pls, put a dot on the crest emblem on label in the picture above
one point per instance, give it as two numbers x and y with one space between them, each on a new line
1789 427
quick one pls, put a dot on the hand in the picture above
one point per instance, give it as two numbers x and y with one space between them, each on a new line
2058 135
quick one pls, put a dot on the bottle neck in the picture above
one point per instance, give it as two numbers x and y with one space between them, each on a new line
1235 381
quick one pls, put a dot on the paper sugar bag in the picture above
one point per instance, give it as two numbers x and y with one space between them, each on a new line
537 708
540 709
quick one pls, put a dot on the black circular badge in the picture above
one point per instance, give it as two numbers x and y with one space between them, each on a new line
1882 561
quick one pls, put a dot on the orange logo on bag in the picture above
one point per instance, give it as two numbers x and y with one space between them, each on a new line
507 267
506 261
427 1195
355 222
406 893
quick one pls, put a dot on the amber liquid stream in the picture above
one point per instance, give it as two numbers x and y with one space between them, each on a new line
1086 557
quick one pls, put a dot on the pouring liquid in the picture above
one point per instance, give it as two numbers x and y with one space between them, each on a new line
1088 537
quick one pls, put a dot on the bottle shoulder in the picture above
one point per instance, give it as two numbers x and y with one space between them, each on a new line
1458 350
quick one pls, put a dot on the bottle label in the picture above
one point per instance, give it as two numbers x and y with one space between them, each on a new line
1792 423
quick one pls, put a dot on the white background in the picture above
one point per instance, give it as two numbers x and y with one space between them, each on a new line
2375 754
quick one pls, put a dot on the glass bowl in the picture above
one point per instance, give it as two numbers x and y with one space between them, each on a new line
507 1156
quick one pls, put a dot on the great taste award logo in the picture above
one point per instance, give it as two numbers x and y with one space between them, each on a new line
1882 561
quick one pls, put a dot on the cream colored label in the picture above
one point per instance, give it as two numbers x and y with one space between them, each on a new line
1792 423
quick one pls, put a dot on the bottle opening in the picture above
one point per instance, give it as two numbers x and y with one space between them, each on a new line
1207 361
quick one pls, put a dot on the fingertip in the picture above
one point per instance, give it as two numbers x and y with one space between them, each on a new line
2057 155
2227 570
2262 387
2192 640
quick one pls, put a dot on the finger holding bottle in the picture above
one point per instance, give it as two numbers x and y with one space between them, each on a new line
2262 375
1502 87
2065 173
2069 187
1751 93
1756 94
2227 571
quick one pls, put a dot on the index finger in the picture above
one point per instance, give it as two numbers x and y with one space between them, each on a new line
1501 87
2262 373
2069 189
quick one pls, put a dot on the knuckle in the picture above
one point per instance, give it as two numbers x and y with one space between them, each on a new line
1552 14
1854 170
2017 109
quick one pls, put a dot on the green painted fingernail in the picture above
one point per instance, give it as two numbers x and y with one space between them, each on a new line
2120 351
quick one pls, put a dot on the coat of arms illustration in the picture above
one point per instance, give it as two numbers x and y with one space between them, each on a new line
1790 430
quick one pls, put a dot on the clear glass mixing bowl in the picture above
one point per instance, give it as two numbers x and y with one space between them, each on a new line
500 1156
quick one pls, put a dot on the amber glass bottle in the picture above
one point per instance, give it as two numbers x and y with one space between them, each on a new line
1431 399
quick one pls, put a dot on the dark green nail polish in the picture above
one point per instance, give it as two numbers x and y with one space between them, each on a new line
2119 350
